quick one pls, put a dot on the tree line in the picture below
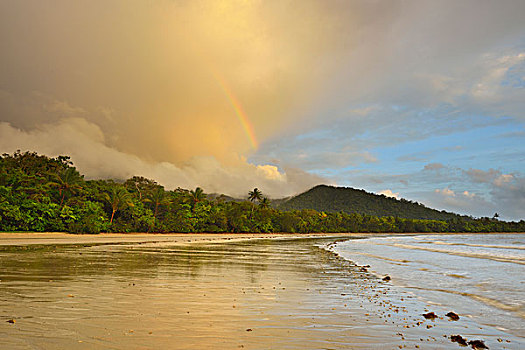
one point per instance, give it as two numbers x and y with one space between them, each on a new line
40 193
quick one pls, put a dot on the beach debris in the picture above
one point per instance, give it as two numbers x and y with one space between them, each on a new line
249 330
477 344
453 316
458 339
386 278
430 316
11 321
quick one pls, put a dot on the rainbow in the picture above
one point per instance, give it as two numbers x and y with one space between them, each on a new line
239 111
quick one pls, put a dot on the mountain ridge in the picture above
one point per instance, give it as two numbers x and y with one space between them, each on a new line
326 198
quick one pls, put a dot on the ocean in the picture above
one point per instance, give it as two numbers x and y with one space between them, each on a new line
478 276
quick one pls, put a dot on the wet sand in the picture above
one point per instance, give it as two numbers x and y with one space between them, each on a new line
21 238
220 291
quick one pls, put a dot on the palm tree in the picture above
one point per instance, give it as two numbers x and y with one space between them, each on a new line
119 198
255 195
68 180
158 198
265 202
193 197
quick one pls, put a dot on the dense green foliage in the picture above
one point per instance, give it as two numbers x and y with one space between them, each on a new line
38 193
350 200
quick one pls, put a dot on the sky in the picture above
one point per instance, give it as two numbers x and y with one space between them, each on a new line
423 100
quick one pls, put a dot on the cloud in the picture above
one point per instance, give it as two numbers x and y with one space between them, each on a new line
507 199
447 192
461 202
468 194
389 193
472 192
86 144
503 179
503 193
369 93
478 175
62 108
492 176
169 80
508 194
434 166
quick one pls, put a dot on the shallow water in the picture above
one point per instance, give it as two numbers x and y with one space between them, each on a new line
479 275
278 293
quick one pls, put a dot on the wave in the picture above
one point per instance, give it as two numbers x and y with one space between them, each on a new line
500 258
516 309
382 257
516 247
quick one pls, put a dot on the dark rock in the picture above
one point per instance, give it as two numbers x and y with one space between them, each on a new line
458 339
430 315
249 330
477 344
386 278
453 316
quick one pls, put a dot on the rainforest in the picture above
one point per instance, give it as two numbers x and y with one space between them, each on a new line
42 194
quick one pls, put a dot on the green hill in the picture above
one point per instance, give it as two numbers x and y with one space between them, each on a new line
350 200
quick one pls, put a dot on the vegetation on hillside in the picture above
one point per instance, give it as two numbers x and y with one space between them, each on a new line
350 200
38 193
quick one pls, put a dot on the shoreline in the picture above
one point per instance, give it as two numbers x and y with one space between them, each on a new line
160 234
482 324
328 299
22 238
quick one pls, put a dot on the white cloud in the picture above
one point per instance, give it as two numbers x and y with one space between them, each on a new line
389 193
503 179
463 202
489 84
446 192
85 143
271 172
469 194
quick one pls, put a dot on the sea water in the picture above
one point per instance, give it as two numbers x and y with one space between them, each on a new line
479 276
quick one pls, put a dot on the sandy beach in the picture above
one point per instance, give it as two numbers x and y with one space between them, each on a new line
30 238
220 291
16 238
